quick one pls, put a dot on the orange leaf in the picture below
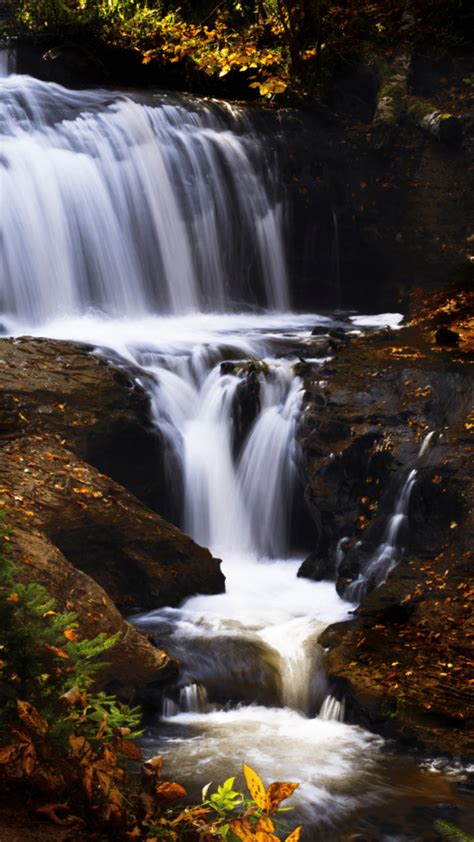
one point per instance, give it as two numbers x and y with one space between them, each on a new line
241 828
128 749
255 787
8 754
31 718
50 810
79 745
70 634
262 836
265 823
59 652
277 792
28 759
13 598
169 791
152 767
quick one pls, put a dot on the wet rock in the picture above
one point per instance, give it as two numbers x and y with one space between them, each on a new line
402 663
133 662
446 336
339 334
142 561
79 531
246 405
316 568
60 388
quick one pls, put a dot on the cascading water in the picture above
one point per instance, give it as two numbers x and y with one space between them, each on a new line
130 207
142 225
390 550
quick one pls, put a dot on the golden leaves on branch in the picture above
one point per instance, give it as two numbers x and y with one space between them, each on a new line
268 801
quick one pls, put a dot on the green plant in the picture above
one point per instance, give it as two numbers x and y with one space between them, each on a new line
452 833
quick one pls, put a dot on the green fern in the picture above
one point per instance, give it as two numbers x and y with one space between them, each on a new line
452 833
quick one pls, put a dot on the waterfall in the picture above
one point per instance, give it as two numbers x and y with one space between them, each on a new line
145 226
234 505
7 60
128 206
332 709
389 552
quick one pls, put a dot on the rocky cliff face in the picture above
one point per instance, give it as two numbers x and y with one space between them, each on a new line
90 541
403 662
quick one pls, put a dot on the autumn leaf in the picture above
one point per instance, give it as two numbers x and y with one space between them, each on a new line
28 759
59 652
128 749
277 792
168 791
33 720
265 823
51 810
294 835
255 787
101 728
9 754
70 634
241 828
79 745
152 768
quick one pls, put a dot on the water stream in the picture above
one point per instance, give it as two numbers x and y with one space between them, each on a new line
153 228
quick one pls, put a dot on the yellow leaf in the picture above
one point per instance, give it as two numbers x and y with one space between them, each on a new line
255 787
265 823
294 835
277 792
241 828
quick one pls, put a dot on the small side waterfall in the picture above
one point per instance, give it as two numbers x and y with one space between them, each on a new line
390 550
7 60
332 709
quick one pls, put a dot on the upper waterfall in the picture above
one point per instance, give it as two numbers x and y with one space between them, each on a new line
129 205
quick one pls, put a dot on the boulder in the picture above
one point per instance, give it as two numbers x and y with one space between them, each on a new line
133 662
69 422
403 662
142 561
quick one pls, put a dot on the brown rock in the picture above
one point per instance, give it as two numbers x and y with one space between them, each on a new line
79 532
133 662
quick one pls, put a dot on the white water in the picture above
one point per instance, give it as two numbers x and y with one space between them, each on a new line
131 206
390 550
125 222
332 709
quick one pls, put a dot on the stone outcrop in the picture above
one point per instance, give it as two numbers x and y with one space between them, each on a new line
403 662
90 541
